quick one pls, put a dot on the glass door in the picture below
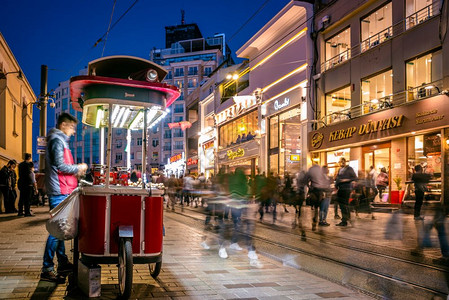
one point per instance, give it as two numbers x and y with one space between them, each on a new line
378 156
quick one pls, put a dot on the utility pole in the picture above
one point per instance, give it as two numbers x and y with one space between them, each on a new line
43 114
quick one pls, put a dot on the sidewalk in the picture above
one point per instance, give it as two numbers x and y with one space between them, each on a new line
188 271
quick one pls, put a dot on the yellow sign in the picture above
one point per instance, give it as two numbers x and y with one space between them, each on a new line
294 157
370 127
234 154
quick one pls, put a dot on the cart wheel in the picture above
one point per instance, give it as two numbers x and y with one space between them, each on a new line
125 267
155 269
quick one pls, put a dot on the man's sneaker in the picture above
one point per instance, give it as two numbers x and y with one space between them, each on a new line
252 255
419 218
65 268
205 245
255 263
222 253
342 224
52 276
235 246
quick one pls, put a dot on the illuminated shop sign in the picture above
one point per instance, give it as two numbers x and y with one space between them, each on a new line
208 145
366 128
294 157
242 103
175 158
234 154
192 161
279 105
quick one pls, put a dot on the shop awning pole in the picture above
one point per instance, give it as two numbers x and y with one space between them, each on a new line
101 149
144 149
108 150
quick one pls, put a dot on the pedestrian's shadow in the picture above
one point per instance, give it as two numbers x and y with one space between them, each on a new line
44 290
9 218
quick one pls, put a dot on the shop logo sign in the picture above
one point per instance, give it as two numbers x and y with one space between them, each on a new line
317 140
278 105
175 158
234 154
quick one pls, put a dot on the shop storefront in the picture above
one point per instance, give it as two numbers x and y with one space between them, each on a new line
192 165
244 156
176 165
207 157
283 123
396 140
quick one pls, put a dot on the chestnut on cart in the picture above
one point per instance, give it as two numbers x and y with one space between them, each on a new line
121 224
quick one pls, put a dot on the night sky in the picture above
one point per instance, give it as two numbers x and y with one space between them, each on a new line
61 33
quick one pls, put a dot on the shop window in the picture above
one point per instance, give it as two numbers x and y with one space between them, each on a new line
419 11
338 104
338 48
236 131
332 158
424 75
377 92
377 27
425 150
274 132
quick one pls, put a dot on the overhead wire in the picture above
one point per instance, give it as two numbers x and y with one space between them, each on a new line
109 28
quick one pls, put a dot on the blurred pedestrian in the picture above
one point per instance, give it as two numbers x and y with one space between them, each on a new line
420 181
26 185
324 207
172 189
318 185
60 181
345 179
7 186
382 182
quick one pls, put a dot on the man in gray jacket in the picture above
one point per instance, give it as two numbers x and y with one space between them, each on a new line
318 185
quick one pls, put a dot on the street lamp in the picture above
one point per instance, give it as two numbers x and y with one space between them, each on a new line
20 74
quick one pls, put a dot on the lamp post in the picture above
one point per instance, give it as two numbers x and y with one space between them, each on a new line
43 114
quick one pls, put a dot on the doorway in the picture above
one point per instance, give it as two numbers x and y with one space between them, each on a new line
378 156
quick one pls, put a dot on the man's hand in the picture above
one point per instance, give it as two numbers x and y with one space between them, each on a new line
82 168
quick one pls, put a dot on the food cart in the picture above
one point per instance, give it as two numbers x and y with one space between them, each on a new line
120 224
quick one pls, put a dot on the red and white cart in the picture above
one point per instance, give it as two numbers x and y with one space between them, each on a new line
121 224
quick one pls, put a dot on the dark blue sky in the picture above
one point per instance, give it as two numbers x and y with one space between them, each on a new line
61 33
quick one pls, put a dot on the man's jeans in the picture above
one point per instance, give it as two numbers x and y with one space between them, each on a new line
53 244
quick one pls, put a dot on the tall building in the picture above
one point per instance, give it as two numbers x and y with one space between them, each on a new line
189 63
381 91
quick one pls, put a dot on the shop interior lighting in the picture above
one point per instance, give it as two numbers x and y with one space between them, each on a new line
125 117
136 120
374 101
429 87
100 115
150 115
119 116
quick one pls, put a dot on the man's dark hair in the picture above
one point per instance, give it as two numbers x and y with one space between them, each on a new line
12 162
418 168
65 117
27 156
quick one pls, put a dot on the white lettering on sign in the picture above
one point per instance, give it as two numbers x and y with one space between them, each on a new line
278 106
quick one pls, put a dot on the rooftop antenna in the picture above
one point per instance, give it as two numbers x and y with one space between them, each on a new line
182 17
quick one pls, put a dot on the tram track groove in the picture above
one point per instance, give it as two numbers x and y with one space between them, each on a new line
316 238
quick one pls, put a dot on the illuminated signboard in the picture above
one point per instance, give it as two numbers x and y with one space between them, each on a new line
208 145
234 154
294 157
175 158
279 105
191 161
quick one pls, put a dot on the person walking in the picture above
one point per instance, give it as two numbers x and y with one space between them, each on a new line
382 182
25 185
344 181
420 181
324 206
7 186
60 181
318 185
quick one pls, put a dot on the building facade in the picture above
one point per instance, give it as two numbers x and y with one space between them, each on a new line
381 87
16 107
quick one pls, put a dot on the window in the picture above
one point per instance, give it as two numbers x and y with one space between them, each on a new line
419 11
424 150
193 70
179 83
376 92
179 145
193 82
167 134
377 27
229 133
167 146
423 74
65 104
169 75
155 129
178 133
14 120
179 108
155 142
181 97
338 48
179 72
177 119
118 157
338 104
119 144
132 155
139 141
207 71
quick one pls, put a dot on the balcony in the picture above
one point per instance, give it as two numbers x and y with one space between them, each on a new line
422 15
376 39
390 101
336 60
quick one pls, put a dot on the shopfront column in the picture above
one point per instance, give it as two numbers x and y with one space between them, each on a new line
445 166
